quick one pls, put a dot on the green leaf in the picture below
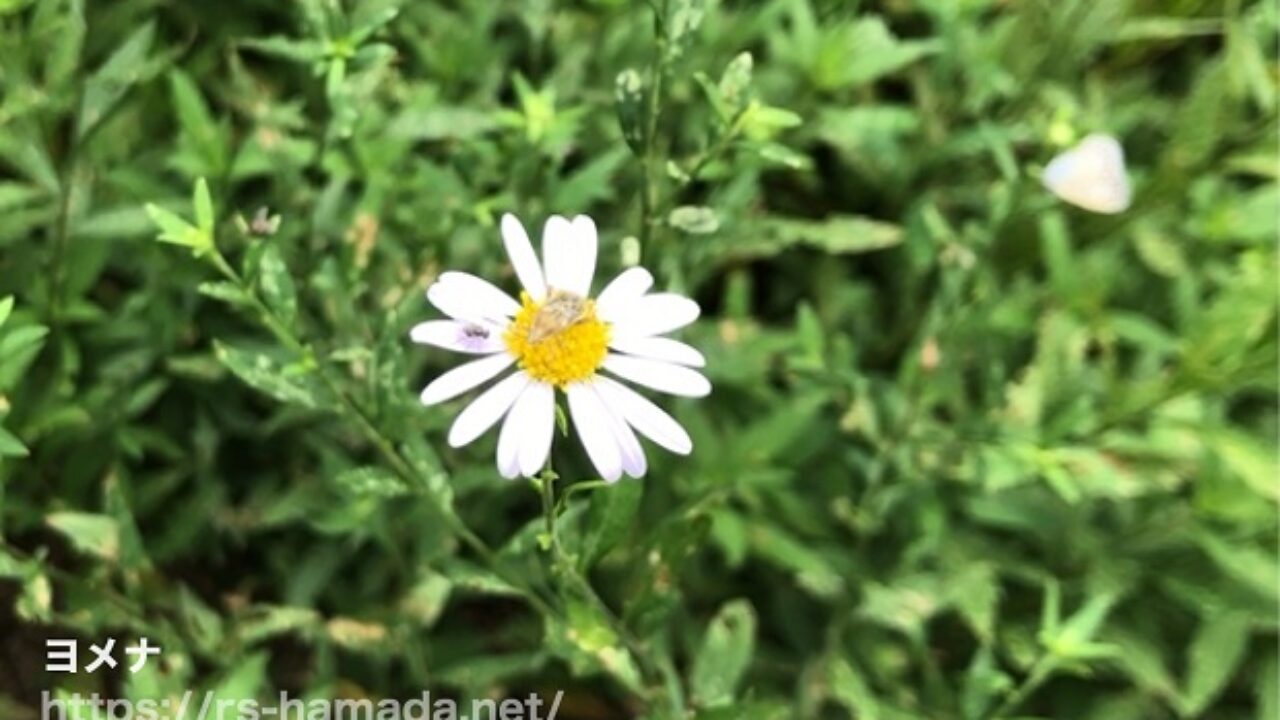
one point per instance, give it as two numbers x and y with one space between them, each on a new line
21 340
370 16
427 466
15 195
198 125
841 234
176 231
172 227
371 482
629 104
1253 461
261 372
90 533
1197 126
109 83
225 291
439 122
724 656
244 681
590 183
733 90
761 122
811 570
695 220
201 622
1143 660
1266 692
10 445
585 640
682 22
1073 639
426 600
983 684
356 635
863 52
300 51
1244 563
277 284
851 690
613 512
202 203
9 7
263 622
11 568
18 349
6 307
470 578
906 605
1215 653
36 602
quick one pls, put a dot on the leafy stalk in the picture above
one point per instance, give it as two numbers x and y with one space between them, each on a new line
649 156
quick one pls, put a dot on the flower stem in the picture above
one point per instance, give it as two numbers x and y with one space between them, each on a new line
547 483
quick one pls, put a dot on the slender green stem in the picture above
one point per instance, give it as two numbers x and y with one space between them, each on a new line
547 481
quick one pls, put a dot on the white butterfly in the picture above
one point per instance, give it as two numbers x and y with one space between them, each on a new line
1091 175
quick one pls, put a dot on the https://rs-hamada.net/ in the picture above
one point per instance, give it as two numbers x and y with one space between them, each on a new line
193 705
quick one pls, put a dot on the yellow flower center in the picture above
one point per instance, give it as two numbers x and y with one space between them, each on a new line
559 340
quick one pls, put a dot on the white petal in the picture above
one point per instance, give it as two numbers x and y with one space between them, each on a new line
654 315
463 296
537 428
476 338
659 348
582 251
486 410
523 259
633 459
652 421
663 377
511 435
464 377
629 286
509 468
591 420
557 253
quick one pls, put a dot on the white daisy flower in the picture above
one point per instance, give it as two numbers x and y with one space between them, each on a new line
558 338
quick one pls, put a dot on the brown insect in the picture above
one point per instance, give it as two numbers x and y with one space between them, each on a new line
561 310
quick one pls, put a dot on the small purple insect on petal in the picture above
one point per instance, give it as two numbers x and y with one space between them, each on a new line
473 336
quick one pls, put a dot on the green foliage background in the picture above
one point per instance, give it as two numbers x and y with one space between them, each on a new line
971 453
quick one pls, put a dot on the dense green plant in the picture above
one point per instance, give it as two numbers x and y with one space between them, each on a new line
972 453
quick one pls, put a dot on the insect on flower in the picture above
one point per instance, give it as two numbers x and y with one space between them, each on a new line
561 339
560 310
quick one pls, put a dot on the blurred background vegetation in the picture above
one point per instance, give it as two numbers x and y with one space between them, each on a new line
972 453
